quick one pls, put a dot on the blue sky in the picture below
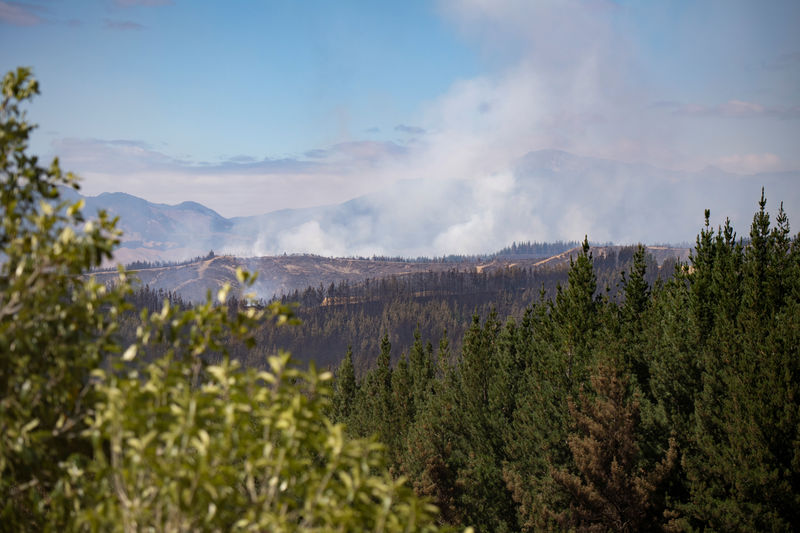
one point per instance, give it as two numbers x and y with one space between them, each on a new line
250 106
211 80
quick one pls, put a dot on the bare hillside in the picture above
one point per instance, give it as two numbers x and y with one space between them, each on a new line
282 274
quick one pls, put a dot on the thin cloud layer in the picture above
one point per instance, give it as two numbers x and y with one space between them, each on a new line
18 14
734 109
750 163
237 185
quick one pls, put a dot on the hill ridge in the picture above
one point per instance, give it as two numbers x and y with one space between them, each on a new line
278 275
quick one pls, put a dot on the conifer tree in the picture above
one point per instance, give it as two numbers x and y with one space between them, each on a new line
346 389
443 356
575 316
421 369
453 449
376 405
631 315
428 459
505 383
611 489
675 370
671 334
401 416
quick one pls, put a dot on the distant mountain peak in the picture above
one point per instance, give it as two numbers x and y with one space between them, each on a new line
200 208
712 170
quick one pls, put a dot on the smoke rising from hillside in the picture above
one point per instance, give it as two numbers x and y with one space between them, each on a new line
563 79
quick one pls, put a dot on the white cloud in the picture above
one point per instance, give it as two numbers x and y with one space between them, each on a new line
740 108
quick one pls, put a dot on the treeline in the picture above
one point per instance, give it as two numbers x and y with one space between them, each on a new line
144 265
526 249
673 407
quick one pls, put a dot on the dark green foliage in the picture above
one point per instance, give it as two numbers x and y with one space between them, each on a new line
376 414
632 318
561 351
672 403
479 424
422 372
744 471
536 249
358 315
663 402
654 403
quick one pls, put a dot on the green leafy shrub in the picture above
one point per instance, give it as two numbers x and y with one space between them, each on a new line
52 330
244 450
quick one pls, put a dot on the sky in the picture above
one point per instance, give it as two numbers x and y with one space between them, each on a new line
253 106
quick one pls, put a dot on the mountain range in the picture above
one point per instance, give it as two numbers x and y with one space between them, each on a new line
549 195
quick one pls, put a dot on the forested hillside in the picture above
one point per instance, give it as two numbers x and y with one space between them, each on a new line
675 406
436 305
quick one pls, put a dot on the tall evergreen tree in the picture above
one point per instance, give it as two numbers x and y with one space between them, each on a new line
612 488
560 354
422 370
375 410
402 412
505 383
443 356
429 460
479 452
346 389
631 316
575 317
